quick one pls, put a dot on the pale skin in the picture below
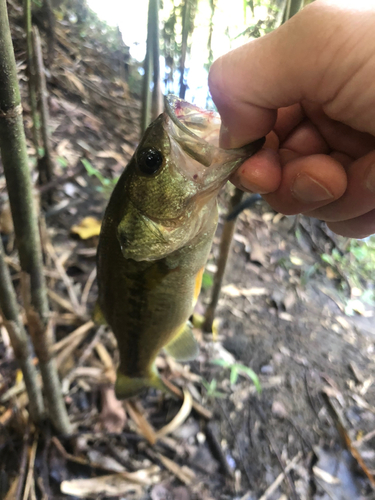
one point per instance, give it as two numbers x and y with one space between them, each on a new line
309 86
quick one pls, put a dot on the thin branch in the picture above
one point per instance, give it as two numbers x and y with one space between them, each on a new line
45 164
19 340
225 244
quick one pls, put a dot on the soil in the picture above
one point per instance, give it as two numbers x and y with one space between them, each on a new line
281 313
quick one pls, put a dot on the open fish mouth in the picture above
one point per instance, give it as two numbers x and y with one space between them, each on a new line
194 121
197 133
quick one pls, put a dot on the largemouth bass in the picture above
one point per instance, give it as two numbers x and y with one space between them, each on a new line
156 237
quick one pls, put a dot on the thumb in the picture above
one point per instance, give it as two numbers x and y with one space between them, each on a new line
300 60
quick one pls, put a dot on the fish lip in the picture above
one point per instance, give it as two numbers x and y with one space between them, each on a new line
173 102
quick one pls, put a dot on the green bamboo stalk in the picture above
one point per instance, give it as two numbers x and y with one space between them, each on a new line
157 100
185 35
17 174
31 75
18 337
147 66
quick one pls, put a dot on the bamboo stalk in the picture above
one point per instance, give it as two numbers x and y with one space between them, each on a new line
185 36
18 337
46 166
147 66
17 174
31 75
157 101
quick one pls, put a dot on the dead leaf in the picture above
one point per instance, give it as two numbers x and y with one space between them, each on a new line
87 228
75 81
184 474
111 154
144 427
112 485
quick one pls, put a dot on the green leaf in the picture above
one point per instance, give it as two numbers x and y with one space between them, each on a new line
62 161
327 258
253 376
233 375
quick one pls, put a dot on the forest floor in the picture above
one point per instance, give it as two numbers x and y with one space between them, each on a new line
283 312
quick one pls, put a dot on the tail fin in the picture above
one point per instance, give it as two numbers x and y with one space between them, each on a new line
128 387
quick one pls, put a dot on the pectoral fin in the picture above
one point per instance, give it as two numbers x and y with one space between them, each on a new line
183 347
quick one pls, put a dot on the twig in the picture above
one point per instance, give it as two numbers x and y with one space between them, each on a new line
87 288
71 347
65 304
30 472
338 420
198 408
80 332
77 308
280 478
22 471
88 350
19 340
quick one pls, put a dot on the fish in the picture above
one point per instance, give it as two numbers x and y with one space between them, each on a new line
155 240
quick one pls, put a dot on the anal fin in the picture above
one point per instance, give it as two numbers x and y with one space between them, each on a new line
183 347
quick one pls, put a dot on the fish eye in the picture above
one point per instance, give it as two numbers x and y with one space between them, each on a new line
150 160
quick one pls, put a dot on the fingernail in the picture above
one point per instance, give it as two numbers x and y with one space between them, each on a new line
308 190
370 179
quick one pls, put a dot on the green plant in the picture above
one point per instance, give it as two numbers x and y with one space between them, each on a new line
237 369
211 389
107 185
356 263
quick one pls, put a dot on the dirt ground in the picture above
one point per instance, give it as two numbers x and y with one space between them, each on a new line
308 435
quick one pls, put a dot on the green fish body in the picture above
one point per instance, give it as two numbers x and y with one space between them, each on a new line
155 239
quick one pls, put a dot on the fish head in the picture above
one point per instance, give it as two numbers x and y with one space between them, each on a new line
173 180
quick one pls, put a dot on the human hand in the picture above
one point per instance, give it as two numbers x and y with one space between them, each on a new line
309 86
